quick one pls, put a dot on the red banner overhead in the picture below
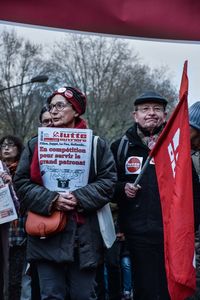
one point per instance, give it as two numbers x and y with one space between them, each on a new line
169 19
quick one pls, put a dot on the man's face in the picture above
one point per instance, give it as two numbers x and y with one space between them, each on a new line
46 119
150 115
195 139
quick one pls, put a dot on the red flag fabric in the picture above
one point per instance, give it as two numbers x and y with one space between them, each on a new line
184 84
174 173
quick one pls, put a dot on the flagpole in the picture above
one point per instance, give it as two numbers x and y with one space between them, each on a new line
142 170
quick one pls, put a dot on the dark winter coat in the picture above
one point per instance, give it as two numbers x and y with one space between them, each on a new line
99 191
142 216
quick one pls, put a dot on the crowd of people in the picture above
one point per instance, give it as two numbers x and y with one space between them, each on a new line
74 263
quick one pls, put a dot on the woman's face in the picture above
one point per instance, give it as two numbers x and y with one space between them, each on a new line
9 150
62 112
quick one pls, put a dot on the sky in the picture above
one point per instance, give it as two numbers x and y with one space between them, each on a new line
154 53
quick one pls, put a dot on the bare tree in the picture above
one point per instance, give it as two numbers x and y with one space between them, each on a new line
108 70
19 62
111 75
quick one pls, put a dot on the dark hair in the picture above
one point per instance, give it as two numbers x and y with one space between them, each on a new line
43 110
17 141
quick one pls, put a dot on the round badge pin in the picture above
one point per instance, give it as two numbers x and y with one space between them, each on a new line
68 94
61 90
133 164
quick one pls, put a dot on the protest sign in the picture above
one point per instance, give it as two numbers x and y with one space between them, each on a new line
64 157
7 208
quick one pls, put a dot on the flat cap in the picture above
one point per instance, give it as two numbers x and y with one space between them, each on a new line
150 97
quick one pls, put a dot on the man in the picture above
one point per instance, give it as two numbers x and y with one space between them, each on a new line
194 120
139 206
45 117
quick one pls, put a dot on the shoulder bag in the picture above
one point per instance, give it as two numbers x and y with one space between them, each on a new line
44 226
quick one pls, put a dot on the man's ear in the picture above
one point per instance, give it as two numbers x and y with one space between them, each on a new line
165 115
134 115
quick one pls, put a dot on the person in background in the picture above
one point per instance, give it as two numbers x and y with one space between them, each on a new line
194 121
45 117
11 148
5 178
3 256
4 246
4 260
112 261
126 271
117 265
45 120
68 260
30 279
114 280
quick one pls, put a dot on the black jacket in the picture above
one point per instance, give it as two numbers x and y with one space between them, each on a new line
98 192
142 216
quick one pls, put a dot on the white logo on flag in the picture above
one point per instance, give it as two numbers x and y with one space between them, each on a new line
173 150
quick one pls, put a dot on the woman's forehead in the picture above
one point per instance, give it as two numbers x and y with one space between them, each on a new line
58 98
8 141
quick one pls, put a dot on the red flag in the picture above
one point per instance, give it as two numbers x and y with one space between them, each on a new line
174 173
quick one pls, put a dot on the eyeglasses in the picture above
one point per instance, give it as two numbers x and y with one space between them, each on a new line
147 109
46 122
59 106
9 145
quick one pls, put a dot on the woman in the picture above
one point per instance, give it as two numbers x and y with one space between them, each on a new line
67 261
4 228
10 150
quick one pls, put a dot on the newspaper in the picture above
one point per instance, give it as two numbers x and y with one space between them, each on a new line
7 208
64 157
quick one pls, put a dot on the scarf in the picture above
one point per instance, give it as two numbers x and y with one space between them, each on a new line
149 139
35 167
12 168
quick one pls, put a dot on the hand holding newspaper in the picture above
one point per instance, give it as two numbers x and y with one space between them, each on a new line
7 208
